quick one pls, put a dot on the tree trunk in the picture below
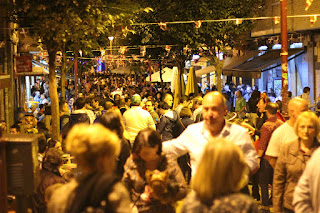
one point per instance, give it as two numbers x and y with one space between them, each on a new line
54 96
63 74
161 81
76 74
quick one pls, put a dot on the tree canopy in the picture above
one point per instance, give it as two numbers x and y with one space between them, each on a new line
77 23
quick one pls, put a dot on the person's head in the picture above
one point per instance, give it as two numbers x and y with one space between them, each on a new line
249 90
271 109
15 129
168 99
149 106
306 90
223 168
147 145
159 96
80 103
52 160
307 126
63 107
52 143
163 107
112 121
295 107
94 147
43 96
42 142
184 100
262 104
197 102
214 109
135 100
108 105
239 93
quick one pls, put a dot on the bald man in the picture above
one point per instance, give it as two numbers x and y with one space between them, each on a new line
285 133
214 126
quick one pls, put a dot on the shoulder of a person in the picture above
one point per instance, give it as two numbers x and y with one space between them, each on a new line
195 126
280 130
63 192
290 147
235 127
238 197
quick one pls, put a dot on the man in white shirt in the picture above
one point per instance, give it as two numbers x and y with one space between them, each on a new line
196 136
136 119
285 133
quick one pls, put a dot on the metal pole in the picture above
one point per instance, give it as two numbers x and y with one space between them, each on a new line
284 56
76 75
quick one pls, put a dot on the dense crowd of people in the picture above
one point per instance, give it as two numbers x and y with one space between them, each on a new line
136 152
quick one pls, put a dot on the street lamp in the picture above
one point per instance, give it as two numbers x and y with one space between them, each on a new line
111 39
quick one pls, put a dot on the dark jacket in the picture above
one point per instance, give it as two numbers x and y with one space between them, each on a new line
168 125
185 122
260 121
78 118
123 156
75 118
47 178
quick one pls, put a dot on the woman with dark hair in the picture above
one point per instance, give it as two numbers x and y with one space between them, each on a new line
49 175
112 121
155 182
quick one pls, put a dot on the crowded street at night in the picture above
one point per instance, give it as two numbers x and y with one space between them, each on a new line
160 106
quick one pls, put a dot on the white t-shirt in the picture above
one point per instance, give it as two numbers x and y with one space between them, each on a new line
282 135
137 119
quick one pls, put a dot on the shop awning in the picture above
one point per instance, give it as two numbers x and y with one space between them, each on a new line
252 64
36 71
205 70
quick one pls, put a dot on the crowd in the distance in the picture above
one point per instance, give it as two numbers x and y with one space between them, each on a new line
135 152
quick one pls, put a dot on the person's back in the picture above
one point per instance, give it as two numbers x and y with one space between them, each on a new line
222 172
136 119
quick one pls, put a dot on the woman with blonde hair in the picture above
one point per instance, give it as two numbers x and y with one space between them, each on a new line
292 161
221 173
96 189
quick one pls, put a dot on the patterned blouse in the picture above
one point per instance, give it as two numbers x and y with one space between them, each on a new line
134 179
232 203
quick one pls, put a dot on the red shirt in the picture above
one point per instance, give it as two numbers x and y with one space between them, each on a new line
267 129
